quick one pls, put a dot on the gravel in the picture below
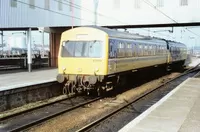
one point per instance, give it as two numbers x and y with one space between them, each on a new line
78 118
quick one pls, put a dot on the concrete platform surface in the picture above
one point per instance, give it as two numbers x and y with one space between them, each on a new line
194 61
22 79
178 111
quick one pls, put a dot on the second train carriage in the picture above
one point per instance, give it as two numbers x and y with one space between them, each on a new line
94 58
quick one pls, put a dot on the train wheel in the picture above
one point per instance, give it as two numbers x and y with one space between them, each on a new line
66 89
69 89
100 91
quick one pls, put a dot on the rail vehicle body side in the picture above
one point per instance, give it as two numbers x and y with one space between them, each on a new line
96 58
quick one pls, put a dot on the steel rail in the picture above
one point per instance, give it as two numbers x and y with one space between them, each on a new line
98 121
34 108
38 121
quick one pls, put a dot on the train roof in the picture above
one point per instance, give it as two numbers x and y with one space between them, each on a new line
136 37
173 43
119 34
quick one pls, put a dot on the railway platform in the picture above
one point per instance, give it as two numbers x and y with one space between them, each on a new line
22 79
178 111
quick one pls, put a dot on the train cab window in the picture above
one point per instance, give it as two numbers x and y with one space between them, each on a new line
67 50
91 49
95 49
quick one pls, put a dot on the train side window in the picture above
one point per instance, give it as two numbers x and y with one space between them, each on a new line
153 49
174 50
150 50
111 50
123 51
165 50
155 53
141 50
161 49
120 50
170 49
134 49
145 50
129 49
158 49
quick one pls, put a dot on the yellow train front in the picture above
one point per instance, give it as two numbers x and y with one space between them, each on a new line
82 59
98 59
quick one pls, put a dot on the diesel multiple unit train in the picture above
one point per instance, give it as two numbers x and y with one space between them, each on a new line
98 59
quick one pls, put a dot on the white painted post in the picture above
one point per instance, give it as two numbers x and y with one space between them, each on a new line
96 2
29 50
72 7
2 42
43 43
41 29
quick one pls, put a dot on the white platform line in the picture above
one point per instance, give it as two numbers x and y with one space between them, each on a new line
15 86
133 123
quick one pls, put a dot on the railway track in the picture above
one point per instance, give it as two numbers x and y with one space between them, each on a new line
101 124
29 118
25 120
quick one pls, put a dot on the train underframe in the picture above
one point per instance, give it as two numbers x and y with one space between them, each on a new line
99 85
89 84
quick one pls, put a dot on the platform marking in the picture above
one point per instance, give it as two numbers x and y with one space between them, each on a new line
16 86
134 122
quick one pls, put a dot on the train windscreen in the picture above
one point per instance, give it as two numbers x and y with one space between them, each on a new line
91 49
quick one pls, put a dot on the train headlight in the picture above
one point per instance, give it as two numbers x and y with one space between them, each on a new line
79 69
96 69
64 68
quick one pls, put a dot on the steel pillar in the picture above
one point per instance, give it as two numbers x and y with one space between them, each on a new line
2 41
96 2
43 43
29 50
